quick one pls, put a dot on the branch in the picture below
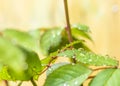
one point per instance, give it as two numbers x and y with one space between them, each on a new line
48 66
33 82
91 77
68 28
101 68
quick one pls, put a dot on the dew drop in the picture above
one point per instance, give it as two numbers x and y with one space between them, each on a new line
90 60
50 69
80 49
104 65
73 63
74 56
65 84
53 36
81 54
65 56
58 34
76 82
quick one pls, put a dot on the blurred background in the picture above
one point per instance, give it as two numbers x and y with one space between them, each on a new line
102 16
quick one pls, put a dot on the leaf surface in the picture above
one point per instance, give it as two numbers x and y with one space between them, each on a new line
50 40
89 58
34 66
23 39
72 75
80 31
4 75
17 63
83 28
11 55
108 77
54 67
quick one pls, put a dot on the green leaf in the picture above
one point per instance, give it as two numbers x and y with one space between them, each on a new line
11 56
108 77
54 39
89 58
48 59
79 31
36 33
32 68
81 27
23 39
76 44
34 64
50 40
82 45
54 67
4 75
72 75
20 64
72 44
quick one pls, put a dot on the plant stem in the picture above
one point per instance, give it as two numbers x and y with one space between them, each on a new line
48 66
33 82
101 68
6 83
68 28
91 77
0 34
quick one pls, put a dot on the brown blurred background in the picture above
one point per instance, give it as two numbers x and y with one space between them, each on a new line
102 16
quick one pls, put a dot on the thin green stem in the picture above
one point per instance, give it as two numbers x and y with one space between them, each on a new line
33 82
68 28
48 66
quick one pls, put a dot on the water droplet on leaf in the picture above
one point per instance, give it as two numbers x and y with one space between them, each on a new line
50 69
104 65
65 84
90 60
53 36
73 63
74 56
76 82
81 54
58 33
65 56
